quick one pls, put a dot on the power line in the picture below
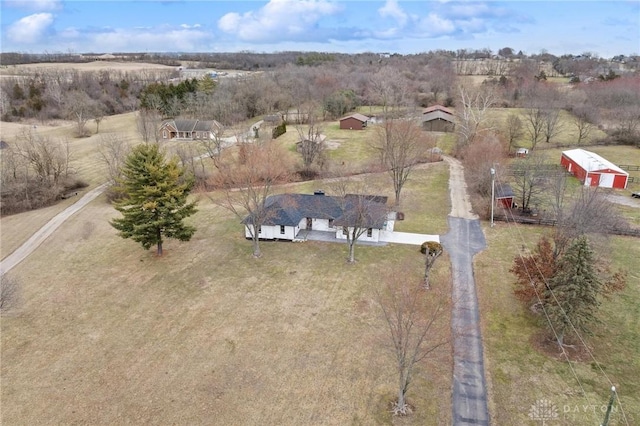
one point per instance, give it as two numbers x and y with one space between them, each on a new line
572 326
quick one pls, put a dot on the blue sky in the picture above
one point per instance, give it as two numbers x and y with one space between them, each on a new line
606 28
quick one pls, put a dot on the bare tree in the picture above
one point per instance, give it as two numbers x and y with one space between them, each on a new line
148 122
589 213
49 159
310 145
401 145
247 180
415 325
552 124
98 116
361 212
535 119
472 116
513 129
113 149
583 119
530 178
214 145
80 108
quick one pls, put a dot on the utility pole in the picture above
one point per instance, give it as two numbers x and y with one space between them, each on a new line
609 407
493 186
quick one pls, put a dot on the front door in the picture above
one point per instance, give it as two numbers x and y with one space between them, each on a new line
309 223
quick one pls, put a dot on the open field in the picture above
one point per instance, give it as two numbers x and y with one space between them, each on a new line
24 69
519 375
207 332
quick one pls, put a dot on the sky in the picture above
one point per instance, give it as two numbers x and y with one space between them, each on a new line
605 28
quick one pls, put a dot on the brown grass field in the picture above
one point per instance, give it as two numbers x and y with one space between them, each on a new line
108 333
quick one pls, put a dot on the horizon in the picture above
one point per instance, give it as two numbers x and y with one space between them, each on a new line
603 28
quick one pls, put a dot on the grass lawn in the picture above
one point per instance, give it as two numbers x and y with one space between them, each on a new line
207 332
518 374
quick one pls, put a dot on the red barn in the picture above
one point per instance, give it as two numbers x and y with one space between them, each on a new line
354 122
504 196
593 170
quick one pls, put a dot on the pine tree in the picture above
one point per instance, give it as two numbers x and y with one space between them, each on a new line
571 297
155 201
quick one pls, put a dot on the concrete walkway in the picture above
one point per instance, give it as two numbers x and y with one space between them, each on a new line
462 242
385 238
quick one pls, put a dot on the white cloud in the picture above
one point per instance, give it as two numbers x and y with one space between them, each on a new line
139 39
433 26
30 29
278 19
39 5
393 10
187 26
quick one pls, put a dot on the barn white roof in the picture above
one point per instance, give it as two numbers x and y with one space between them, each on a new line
591 162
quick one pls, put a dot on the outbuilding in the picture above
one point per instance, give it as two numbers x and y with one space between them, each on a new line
354 122
593 170
437 118
505 197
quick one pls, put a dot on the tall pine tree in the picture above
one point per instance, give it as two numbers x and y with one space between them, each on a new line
572 296
155 202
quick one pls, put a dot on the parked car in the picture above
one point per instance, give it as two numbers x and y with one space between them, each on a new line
635 194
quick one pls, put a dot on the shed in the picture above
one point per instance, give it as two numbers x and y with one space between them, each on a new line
354 122
594 170
522 152
437 118
504 196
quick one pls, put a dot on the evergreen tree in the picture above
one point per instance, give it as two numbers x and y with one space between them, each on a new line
155 200
572 294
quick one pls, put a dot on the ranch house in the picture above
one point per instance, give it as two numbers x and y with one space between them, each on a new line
287 216
189 130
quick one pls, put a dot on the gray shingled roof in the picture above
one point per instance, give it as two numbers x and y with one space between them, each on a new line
290 209
504 190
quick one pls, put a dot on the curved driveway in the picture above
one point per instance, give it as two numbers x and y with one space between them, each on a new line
462 242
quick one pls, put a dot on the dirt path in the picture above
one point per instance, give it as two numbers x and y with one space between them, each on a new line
43 233
462 242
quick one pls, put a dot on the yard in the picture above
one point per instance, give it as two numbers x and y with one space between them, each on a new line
207 332
519 374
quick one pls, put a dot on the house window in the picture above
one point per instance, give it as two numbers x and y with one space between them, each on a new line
164 134
330 223
259 229
282 229
369 232
344 231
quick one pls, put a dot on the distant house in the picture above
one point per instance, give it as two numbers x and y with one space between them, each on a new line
437 118
189 130
593 170
504 196
287 215
354 122
522 152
